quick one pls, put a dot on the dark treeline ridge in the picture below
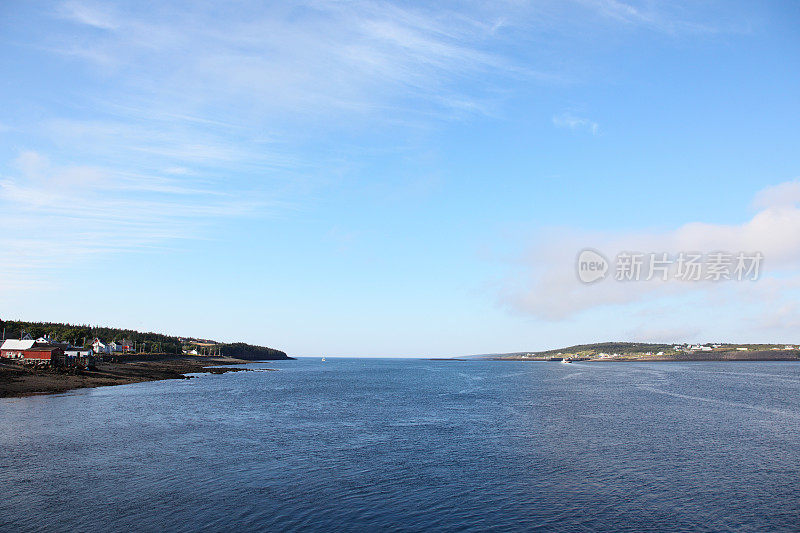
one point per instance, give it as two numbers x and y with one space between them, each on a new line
78 334
251 352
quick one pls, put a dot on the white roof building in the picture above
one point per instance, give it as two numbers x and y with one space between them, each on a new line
15 344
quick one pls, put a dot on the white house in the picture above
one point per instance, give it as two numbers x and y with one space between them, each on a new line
99 347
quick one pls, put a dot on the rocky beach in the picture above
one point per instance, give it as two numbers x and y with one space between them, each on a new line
18 380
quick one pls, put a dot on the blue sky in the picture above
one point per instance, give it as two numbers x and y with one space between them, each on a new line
387 179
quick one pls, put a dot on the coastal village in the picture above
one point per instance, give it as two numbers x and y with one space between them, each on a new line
53 357
47 351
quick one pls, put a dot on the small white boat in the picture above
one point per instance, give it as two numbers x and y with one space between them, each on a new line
323 359
566 361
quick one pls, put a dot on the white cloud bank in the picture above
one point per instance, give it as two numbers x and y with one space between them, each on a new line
548 287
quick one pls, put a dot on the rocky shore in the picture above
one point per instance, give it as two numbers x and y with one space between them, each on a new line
17 380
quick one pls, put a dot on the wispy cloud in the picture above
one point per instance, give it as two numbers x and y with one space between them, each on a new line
95 16
669 17
305 57
575 123
54 216
177 115
209 113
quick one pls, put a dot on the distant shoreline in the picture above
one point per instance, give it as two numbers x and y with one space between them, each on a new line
18 381
732 356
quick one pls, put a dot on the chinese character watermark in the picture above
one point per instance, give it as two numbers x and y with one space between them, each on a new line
629 266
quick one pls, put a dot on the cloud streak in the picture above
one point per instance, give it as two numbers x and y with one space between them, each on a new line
55 216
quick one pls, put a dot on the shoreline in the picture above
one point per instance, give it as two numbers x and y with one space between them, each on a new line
655 360
17 381
726 356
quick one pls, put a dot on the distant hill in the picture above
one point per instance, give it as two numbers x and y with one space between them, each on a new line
642 351
83 334
622 348
598 347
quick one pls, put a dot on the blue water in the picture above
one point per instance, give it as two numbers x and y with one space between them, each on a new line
405 445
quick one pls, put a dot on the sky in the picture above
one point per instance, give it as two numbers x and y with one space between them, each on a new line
397 178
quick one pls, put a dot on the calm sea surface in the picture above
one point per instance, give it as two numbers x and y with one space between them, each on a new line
355 445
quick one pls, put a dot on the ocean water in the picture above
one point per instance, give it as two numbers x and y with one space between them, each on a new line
410 445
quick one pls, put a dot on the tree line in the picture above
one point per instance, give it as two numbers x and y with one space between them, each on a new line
84 334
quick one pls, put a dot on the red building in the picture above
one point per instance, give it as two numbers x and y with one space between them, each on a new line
43 354
13 348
